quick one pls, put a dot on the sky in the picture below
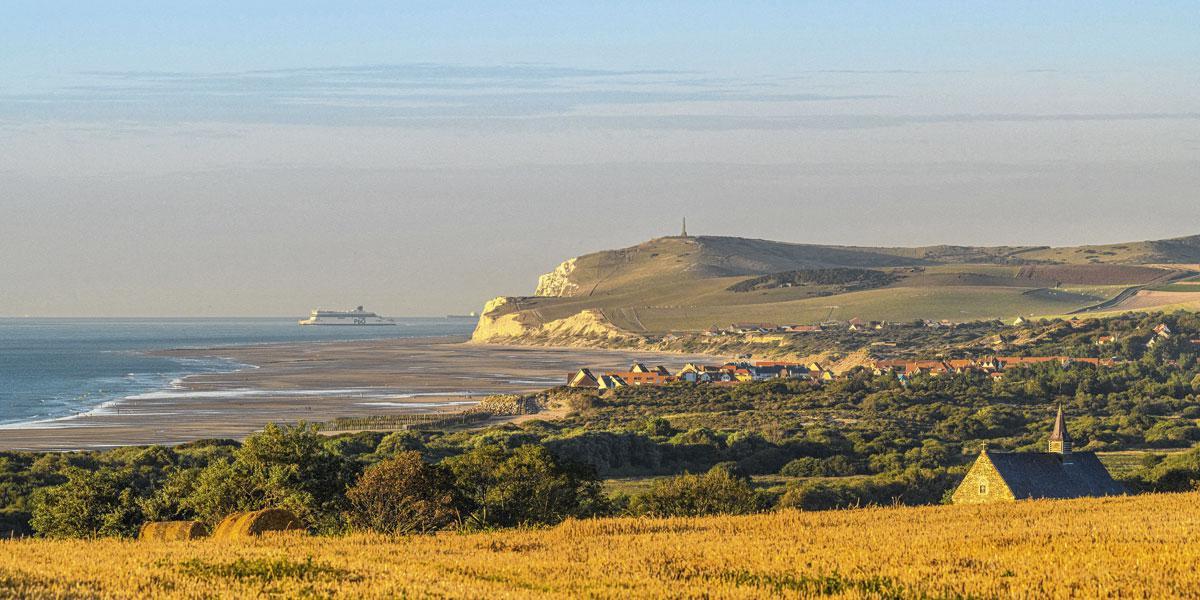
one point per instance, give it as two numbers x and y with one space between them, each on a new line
419 158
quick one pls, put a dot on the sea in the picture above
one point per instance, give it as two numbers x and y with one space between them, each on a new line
56 368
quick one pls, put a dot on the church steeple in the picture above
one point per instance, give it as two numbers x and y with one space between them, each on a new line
1060 438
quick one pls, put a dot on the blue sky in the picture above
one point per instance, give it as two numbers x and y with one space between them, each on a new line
49 36
245 141
275 61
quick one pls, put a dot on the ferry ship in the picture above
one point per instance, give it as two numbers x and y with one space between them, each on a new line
357 316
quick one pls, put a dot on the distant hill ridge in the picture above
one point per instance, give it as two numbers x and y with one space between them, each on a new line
686 283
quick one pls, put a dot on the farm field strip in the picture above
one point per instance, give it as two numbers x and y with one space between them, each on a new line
1123 547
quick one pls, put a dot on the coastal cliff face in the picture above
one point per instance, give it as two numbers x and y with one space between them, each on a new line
557 283
496 322
502 322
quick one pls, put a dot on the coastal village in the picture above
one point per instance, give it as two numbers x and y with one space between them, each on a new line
739 371
731 373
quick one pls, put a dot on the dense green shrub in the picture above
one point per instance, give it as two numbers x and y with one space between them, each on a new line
716 492
90 503
912 486
833 466
404 494
528 485
1174 473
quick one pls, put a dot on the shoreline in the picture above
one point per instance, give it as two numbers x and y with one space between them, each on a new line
181 354
314 381
175 382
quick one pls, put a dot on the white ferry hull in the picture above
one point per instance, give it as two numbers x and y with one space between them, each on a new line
354 318
342 323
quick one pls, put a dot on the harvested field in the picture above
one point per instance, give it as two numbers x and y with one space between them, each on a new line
1119 547
166 531
1146 299
1096 274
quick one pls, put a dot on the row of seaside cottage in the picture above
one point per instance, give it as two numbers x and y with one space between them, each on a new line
739 372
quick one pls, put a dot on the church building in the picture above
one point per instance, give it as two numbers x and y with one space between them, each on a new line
1058 473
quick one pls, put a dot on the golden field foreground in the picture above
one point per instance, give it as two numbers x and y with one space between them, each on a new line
1127 547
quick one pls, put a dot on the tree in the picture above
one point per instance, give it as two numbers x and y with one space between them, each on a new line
1176 473
280 467
658 427
404 494
524 486
716 492
805 466
318 471
90 503
168 501
399 441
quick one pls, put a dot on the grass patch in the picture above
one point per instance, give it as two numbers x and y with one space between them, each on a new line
1124 463
833 584
1177 287
266 569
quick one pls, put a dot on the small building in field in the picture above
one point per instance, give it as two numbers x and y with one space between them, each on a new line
583 379
697 373
640 378
608 381
1058 473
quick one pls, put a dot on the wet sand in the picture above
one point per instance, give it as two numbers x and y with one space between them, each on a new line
317 381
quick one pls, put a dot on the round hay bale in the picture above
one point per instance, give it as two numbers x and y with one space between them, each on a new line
249 524
167 531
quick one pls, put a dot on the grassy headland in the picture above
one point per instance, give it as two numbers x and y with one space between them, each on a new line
677 285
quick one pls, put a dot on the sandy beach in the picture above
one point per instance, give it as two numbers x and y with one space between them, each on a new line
317 381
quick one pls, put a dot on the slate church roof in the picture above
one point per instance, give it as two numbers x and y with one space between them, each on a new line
1059 473
1054 475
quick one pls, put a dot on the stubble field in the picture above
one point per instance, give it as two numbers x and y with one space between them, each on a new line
1128 547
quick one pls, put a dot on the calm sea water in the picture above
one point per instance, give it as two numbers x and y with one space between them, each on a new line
52 368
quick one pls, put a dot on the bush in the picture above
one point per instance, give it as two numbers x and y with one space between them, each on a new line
609 451
14 523
821 495
353 444
658 427
403 494
98 503
281 467
1176 473
528 485
399 441
717 492
911 486
733 469
697 437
